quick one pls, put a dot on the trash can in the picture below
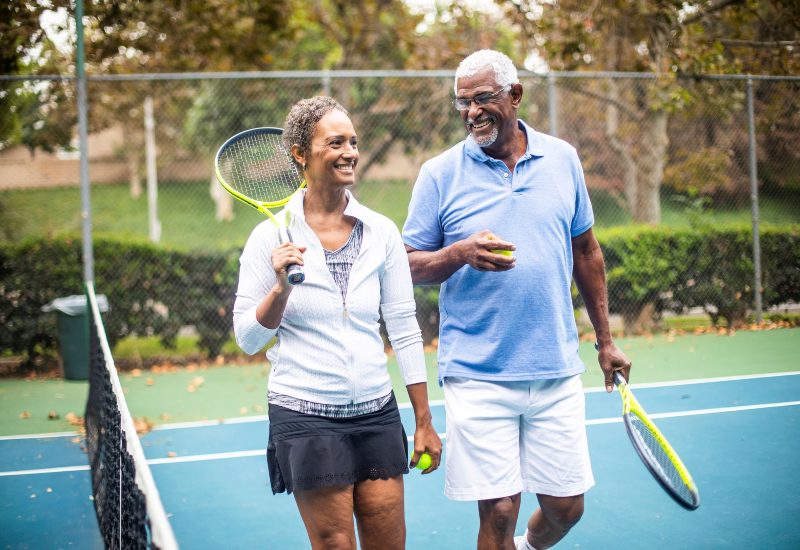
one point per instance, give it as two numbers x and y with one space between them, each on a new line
73 333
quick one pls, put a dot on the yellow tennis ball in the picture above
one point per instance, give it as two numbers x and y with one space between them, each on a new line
424 462
503 252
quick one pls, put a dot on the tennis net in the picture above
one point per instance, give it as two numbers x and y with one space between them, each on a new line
128 507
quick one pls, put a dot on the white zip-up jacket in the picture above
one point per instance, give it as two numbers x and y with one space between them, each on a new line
329 350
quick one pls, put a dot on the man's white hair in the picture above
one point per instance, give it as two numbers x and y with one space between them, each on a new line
505 73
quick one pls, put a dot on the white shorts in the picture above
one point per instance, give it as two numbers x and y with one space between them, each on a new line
507 437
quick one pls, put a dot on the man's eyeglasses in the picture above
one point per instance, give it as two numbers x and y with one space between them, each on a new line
463 103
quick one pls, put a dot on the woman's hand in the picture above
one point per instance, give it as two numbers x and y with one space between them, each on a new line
285 255
426 440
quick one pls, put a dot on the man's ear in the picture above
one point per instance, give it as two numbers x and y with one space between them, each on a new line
516 94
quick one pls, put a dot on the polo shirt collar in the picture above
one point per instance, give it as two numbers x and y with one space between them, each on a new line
534 147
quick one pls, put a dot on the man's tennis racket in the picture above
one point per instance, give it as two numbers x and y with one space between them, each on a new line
255 167
655 451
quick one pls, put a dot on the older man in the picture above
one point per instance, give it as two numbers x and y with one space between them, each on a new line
503 221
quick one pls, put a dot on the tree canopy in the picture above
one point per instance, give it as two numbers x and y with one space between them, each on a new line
669 38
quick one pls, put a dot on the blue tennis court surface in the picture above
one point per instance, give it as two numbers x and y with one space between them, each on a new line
740 438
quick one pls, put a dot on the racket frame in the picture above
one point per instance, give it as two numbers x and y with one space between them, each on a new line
631 407
294 272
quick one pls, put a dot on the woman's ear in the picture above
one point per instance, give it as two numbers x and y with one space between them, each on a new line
298 155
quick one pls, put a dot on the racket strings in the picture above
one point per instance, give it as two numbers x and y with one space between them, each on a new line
654 446
259 167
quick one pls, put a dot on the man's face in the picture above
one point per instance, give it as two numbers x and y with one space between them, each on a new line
491 116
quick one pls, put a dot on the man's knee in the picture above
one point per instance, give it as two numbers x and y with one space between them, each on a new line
500 512
338 540
562 511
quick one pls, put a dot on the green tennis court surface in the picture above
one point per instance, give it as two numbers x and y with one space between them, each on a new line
739 436
180 395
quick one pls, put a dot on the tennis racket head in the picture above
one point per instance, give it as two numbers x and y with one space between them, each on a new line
255 167
655 452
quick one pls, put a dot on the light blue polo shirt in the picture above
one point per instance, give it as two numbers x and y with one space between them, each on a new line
517 324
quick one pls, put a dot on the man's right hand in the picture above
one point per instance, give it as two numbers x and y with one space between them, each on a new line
481 251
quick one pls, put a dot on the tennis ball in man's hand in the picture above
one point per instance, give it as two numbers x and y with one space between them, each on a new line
424 462
492 237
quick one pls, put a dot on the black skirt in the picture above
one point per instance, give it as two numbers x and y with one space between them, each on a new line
308 451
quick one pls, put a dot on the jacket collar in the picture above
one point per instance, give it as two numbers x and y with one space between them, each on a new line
353 208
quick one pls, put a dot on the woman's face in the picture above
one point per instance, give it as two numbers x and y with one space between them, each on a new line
334 151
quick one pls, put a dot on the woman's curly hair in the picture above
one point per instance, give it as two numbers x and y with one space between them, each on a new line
303 118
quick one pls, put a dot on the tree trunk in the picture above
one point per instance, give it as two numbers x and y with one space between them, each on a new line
133 175
222 199
629 169
654 142
642 320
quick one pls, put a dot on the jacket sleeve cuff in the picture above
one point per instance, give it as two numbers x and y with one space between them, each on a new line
251 335
411 360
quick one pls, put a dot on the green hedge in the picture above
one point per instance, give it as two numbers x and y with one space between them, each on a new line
153 291
653 269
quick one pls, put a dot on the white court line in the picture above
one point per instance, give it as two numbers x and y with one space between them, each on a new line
38 436
435 403
45 471
700 412
262 452
676 383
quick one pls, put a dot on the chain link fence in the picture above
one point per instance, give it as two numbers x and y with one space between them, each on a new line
688 157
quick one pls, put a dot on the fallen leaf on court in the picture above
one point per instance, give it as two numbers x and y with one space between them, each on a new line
150 382
172 454
142 425
243 410
24 415
258 408
136 373
53 415
195 384
73 419
163 416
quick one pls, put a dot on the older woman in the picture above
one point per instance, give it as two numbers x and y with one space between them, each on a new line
335 440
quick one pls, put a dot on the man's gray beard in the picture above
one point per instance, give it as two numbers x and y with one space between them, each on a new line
487 141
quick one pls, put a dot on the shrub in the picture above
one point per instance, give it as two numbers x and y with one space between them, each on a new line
708 267
151 291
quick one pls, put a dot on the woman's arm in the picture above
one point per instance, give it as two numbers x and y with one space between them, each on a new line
426 440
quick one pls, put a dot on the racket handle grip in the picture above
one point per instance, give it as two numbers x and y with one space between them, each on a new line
295 274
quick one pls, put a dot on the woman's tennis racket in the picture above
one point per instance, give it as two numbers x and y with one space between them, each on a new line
255 167
655 451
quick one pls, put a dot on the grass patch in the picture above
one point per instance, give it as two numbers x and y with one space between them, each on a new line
136 351
187 212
